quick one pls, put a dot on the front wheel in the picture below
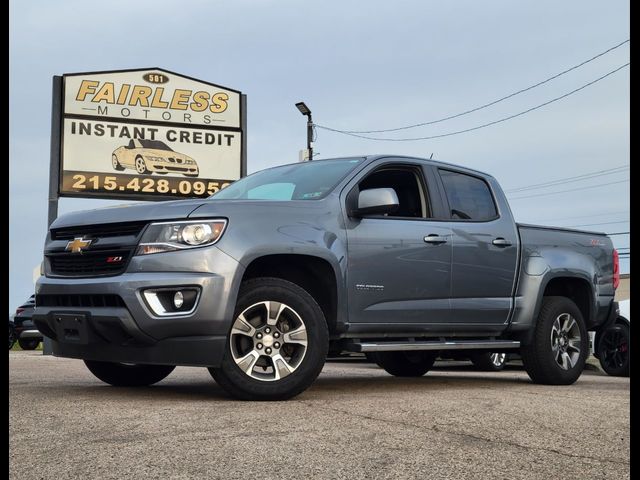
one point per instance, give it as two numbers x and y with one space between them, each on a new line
405 364
28 343
126 375
613 350
278 342
141 166
558 351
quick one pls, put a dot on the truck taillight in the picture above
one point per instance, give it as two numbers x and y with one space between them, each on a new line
616 269
19 310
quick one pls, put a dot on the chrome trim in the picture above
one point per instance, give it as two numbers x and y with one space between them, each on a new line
153 304
435 345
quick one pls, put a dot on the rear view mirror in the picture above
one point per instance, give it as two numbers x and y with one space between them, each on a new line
376 201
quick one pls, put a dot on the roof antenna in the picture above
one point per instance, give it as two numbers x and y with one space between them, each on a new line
431 156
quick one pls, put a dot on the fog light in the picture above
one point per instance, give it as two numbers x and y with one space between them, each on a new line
178 299
171 301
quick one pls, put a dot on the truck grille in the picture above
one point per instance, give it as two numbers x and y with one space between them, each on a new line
89 264
94 231
79 301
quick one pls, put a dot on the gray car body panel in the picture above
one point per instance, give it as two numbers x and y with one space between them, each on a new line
389 282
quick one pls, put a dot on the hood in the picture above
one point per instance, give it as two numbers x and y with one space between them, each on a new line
154 152
175 209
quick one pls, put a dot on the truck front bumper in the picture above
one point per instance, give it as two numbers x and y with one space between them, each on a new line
129 331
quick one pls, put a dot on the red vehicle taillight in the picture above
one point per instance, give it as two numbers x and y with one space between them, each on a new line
19 311
616 269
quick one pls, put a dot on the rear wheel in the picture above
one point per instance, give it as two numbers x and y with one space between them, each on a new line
613 350
126 375
559 348
116 164
405 364
489 362
28 343
278 342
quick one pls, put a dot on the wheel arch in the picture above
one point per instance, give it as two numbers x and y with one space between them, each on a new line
576 289
314 274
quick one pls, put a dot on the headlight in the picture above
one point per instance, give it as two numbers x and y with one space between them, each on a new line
170 236
189 162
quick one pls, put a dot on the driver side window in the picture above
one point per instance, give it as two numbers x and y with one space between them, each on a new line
130 145
408 183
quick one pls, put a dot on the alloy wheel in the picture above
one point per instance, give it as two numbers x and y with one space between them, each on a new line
268 341
615 348
565 341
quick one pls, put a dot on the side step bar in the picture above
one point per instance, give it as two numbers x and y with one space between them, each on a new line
498 345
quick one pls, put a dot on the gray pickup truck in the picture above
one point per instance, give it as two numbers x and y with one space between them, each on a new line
403 258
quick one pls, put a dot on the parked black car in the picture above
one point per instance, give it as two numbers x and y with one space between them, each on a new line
28 336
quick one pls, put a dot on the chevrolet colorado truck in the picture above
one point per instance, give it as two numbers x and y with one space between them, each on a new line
404 258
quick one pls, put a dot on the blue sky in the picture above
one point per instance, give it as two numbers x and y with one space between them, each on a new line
358 65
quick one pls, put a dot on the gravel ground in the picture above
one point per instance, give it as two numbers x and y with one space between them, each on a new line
355 422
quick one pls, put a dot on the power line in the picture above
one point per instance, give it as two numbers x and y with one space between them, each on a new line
567 191
504 119
575 178
493 102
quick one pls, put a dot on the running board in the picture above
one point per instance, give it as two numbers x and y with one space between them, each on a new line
497 345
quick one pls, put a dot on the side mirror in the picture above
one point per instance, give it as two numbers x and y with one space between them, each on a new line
376 201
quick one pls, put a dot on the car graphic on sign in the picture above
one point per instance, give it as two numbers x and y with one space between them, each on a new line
148 156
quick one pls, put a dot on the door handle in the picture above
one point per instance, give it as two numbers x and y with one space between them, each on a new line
501 242
434 239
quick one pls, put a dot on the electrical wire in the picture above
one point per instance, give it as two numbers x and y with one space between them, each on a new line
504 119
569 190
575 178
495 101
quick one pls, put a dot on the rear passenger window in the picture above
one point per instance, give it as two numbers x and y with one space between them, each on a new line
469 197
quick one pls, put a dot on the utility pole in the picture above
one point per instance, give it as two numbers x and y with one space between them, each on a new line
304 110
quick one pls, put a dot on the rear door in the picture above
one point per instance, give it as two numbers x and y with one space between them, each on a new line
485 249
399 266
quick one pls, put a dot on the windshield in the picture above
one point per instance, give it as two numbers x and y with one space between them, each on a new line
156 144
302 181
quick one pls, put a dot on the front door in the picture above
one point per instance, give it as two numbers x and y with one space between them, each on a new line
399 265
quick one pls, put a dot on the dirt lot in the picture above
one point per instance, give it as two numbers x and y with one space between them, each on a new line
356 422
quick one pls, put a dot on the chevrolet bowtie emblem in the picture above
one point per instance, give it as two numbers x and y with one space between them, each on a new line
78 244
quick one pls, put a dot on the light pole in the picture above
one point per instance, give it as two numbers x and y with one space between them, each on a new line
304 110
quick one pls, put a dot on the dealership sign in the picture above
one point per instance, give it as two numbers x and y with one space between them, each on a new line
148 134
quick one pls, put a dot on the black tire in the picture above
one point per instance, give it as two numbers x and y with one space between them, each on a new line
613 350
12 336
486 361
245 387
538 357
123 375
28 343
115 163
405 364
